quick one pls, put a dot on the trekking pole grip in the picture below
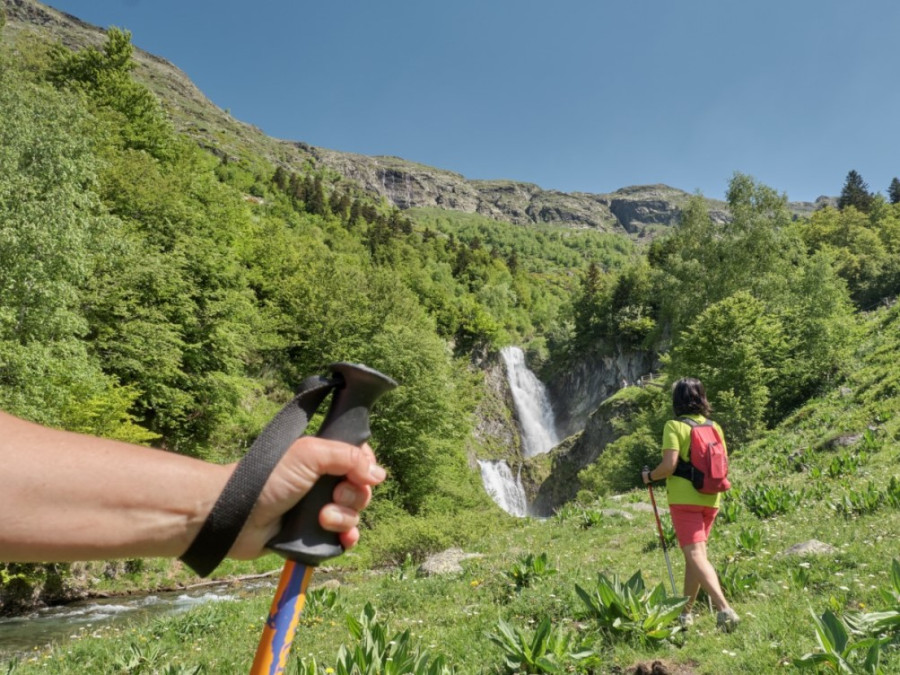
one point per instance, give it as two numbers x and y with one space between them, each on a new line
302 539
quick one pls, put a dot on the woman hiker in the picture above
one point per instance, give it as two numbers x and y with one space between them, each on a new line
693 513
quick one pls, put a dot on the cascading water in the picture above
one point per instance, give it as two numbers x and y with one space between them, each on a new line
537 429
505 490
533 410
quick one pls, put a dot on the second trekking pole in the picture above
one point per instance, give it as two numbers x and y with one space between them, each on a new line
662 537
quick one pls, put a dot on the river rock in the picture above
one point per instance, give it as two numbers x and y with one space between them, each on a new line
617 513
811 547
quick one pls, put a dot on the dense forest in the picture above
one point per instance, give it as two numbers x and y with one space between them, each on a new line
158 292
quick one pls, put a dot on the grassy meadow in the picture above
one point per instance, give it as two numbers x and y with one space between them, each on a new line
453 615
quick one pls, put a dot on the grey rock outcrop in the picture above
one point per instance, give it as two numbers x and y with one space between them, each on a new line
409 185
577 452
811 547
578 391
446 562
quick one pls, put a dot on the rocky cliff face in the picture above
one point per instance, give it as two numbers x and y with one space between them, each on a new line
496 433
560 483
634 211
578 392
584 414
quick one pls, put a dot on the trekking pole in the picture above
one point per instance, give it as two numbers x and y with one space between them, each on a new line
662 538
302 541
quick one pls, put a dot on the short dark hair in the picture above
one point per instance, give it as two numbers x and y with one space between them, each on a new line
689 397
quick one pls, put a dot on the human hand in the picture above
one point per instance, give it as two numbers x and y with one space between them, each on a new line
303 464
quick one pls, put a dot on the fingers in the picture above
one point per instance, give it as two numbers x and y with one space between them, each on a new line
349 539
319 457
336 518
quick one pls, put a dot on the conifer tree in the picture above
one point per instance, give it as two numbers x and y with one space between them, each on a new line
280 178
894 191
856 193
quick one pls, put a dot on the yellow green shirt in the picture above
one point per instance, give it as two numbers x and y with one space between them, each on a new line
677 436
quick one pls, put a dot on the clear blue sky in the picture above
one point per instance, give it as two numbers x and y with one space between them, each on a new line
574 95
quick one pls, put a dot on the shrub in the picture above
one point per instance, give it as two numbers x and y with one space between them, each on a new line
769 501
378 654
529 569
854 503
546 651
632 611
838 652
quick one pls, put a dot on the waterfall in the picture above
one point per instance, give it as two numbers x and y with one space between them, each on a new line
537 429
505 490
533 410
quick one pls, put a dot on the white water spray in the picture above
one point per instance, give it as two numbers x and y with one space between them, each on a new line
505 490
535 414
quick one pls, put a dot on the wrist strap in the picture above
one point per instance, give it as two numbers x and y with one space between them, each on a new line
232 508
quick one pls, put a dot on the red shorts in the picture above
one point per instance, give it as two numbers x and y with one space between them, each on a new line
692 523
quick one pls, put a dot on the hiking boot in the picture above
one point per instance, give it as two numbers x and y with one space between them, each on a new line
686 620
727 619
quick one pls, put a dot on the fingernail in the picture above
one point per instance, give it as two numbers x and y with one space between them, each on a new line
377 472
334 517
344 495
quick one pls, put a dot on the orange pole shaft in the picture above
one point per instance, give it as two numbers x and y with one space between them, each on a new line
281 624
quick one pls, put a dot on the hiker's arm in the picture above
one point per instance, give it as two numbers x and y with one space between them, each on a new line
66 496
662 470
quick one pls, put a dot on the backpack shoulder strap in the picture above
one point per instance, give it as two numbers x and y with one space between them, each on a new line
693 424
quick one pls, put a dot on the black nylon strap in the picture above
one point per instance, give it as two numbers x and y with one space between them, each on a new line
232 508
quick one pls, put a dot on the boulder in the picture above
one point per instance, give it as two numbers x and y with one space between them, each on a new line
446 562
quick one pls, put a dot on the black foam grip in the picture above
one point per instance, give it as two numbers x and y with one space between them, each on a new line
302 538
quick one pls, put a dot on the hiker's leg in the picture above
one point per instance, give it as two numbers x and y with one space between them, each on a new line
691 584
687 521
699 572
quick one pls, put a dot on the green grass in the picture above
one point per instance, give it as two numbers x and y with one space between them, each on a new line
454 615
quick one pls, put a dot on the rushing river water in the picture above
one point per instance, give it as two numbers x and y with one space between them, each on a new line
51 624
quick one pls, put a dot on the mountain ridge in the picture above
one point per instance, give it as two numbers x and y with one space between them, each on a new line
637 211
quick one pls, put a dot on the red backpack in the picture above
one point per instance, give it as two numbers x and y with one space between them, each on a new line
708 468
